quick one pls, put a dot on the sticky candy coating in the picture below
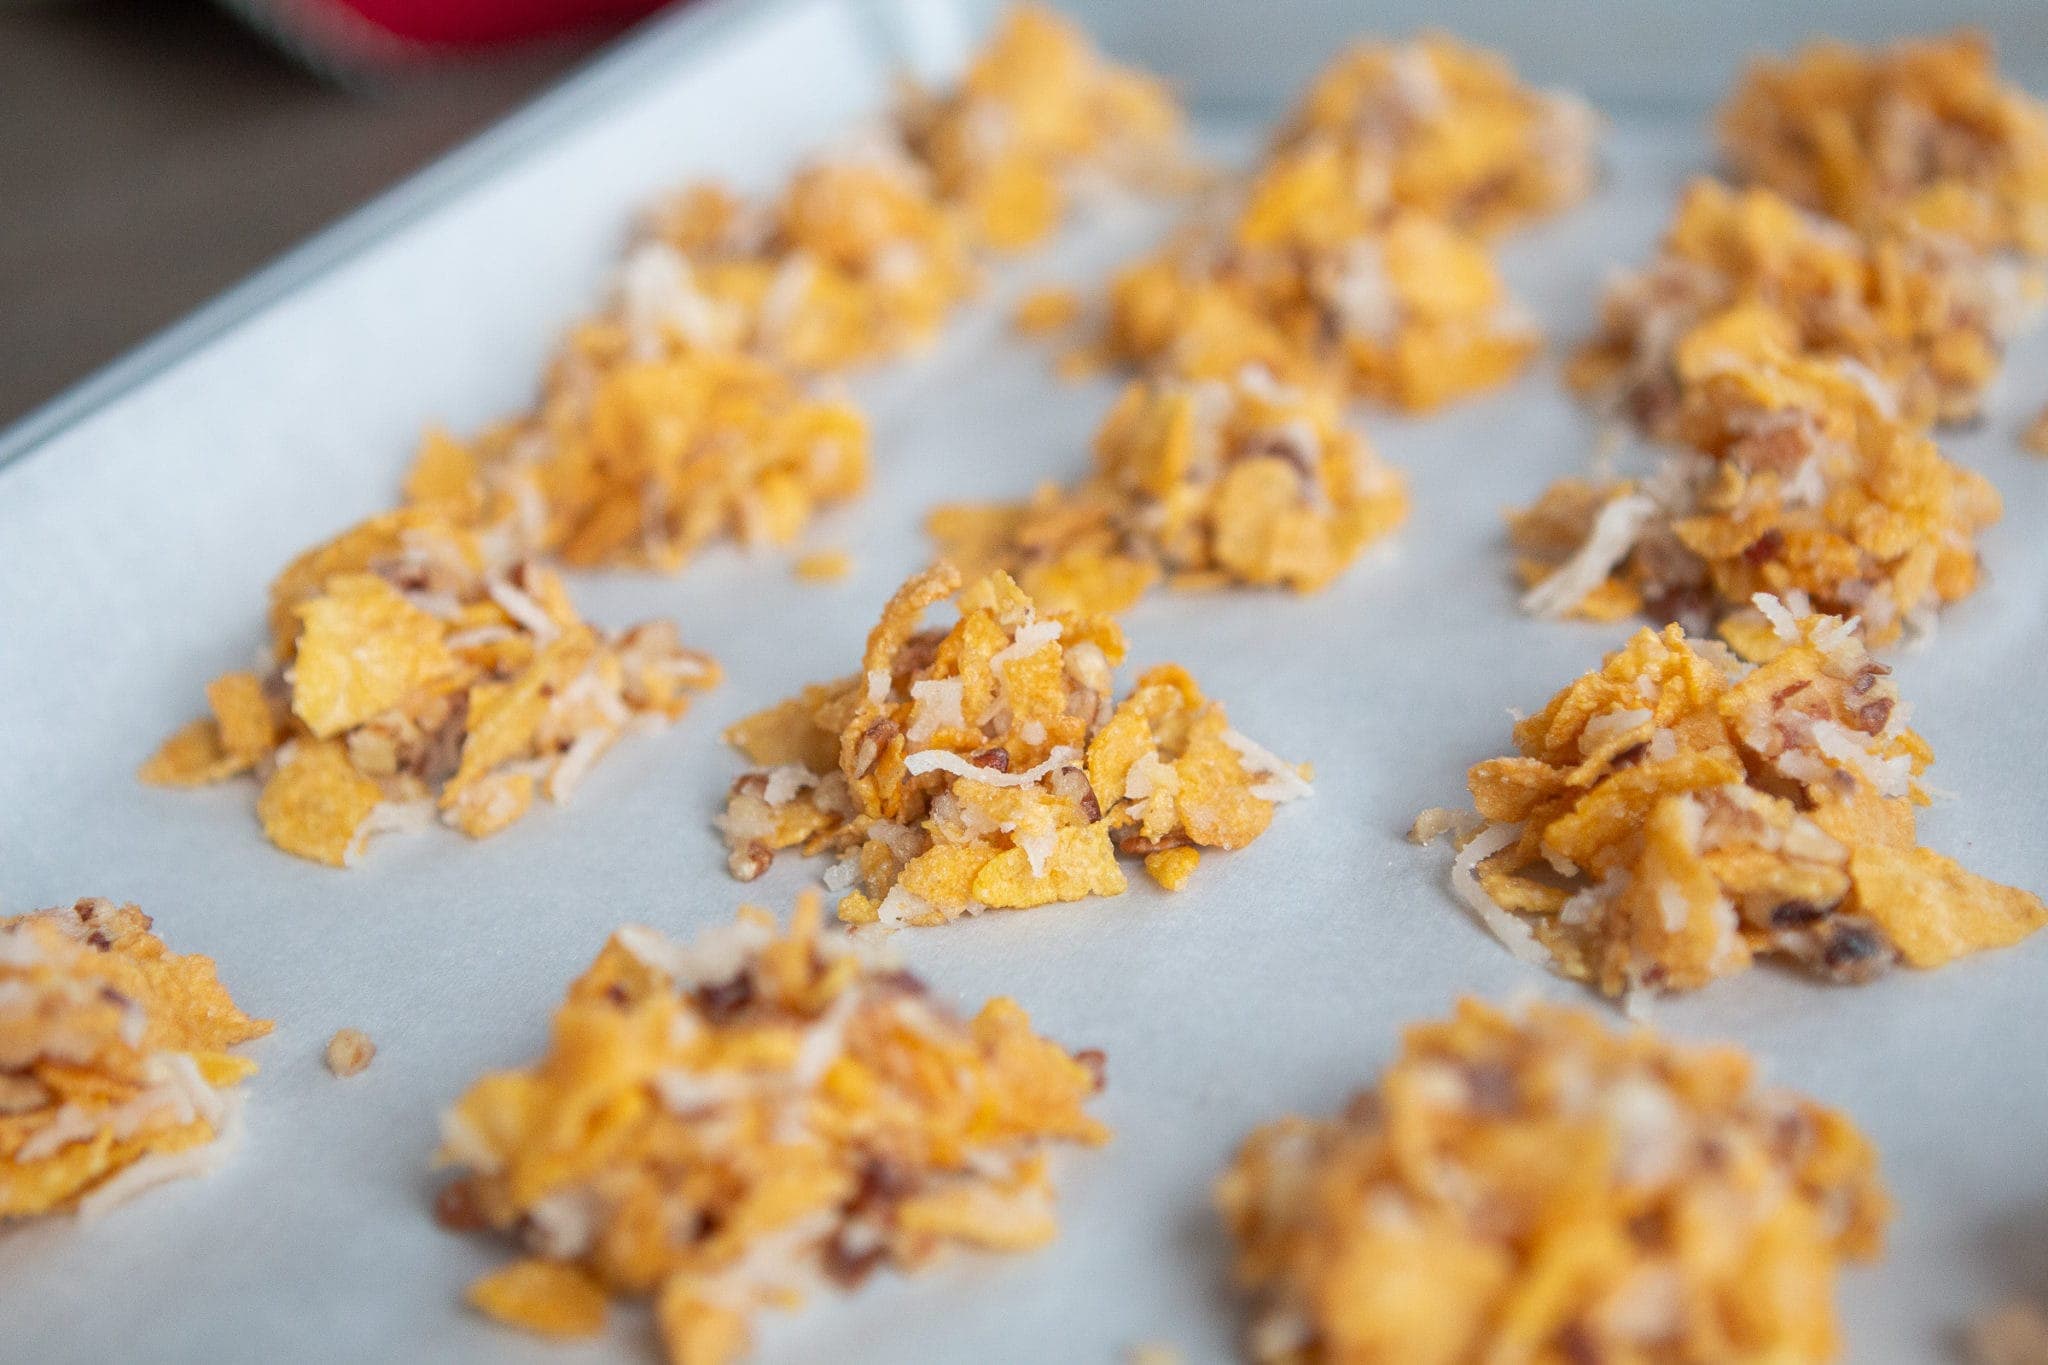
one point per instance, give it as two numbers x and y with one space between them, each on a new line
726 1124
1038 116
1240 481
1537 1187
988 766
412 676
1677 813
1792 476
1919 132
1922 317
115 1072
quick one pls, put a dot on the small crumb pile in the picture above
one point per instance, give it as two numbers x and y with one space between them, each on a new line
986 766
1534 1187
726 1125
350 1052
1205 482
115 1073
1677 813
1920 315
1792 476
640 461
1350 254
1921 132
855 261
1039 120
410 676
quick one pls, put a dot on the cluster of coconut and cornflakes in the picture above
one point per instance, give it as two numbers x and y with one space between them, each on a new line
1203 482
641 462
1678 813
1921 132
1795 360
1790 475
115 1073
410 674
1920 317
1350 255
1534 1187
987 765
722 1126
680 413
1039 120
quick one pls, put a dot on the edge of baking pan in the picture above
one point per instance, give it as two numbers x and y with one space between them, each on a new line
608 77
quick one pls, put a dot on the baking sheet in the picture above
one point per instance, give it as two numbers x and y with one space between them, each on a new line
135 543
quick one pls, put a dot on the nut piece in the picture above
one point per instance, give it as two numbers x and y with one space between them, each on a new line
349 1052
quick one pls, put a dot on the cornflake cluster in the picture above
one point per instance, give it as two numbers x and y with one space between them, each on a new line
1792 476
680 413
1205 482
1678 813
1921 132
1920 317
1038 119
987 766
640 459
411 676
725 1125
1535 1187
1349 255
115 1073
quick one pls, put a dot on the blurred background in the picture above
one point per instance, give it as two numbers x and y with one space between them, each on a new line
156 151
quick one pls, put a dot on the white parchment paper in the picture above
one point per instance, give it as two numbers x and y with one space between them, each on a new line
134 551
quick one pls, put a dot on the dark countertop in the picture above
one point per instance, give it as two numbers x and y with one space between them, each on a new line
153 152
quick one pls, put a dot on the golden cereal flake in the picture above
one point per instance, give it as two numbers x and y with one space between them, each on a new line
725 1125
1793 478
1047 310
824 566
987 765
1921 132
1201 482
1450 131
2013 1334
115 1073
1037 119
642 461
1677 813
1920 316
1535 1187
414 678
